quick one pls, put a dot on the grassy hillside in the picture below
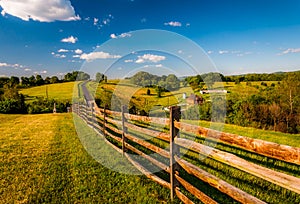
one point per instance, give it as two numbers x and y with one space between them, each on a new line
46 163
60 91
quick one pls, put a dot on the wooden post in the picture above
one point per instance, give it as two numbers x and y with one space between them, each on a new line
175 114
124 128
54 108
104 119
92 114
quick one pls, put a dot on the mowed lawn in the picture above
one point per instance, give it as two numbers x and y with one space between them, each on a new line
43 161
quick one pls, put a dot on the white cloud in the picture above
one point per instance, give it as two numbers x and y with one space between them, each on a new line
4 64
87 18
290 50
27 70
3 13
63 50
187 24
78 51
59 55
98 55
221 52
43 72
70 39
43 11
210 52
123 35
76 56
96 21
173 23
113 36
180 52
129 60
52 53
149 58
159 65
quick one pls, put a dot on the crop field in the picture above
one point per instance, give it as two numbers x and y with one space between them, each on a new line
46 163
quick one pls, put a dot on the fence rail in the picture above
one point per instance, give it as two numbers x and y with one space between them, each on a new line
105 121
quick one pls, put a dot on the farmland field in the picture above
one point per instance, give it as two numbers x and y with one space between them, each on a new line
59 91
46 163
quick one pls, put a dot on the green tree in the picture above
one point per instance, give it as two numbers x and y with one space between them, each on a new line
39 80
54 80
14 80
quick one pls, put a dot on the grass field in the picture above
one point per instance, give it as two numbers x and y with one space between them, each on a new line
43 161
272 136
60 91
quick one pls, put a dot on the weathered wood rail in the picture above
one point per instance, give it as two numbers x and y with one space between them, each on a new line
121 127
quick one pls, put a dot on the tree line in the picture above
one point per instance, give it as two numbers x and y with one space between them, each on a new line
38 80
218 77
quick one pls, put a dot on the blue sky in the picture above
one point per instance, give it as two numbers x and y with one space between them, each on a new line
55 37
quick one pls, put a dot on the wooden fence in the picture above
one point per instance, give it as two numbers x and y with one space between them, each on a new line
124 140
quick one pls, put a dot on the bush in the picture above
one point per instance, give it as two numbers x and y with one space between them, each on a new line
42 105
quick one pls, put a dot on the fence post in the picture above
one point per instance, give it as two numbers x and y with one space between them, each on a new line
104 120
175 114
124 128
92 113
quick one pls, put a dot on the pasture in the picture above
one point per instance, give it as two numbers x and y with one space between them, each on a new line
59 91
45 162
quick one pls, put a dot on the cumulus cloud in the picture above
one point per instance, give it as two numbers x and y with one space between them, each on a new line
173 23
63 50
290 50
3 64
98 55
70 39
113 36
76 56
123 35
78 51
159 65
43 11
149 58
27 70
3 13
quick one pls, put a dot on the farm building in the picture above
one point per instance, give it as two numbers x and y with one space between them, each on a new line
194 100
212 91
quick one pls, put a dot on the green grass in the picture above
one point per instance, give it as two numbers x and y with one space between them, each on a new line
253 185
272 136
60 91
43 161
